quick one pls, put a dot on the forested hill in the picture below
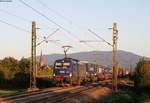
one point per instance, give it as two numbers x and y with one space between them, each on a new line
125 59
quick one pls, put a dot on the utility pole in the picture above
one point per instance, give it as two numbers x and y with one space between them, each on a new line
114 58
33 59
114 54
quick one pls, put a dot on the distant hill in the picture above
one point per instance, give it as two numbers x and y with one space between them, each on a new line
125 59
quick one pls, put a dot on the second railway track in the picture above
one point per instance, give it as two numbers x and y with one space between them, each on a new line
17 96
50 95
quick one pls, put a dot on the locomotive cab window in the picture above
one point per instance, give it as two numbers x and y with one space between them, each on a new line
58 64
66 65
62 65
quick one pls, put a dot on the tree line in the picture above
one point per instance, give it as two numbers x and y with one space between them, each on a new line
16 74
142 75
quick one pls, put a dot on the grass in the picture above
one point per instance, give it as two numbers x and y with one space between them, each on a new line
6 92
128 94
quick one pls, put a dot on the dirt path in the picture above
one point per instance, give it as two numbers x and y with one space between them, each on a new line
91 96
99 95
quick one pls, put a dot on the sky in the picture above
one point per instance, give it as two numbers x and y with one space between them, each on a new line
73 18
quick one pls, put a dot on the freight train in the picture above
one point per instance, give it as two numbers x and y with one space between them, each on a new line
74 72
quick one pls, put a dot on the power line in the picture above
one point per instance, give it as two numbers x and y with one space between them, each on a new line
46 38
79 41
47 18
57 13
88 45
21 18
44 16
90 41
100 37
14 26
53 33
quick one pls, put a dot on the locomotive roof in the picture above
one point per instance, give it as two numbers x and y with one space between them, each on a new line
72 59
67 59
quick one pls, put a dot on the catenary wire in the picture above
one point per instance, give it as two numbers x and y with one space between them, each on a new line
48 19
14 26
54 11
43 15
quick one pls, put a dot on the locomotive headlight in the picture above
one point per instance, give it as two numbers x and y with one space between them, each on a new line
53 74
70 74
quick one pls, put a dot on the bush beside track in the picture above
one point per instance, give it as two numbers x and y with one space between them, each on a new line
15 74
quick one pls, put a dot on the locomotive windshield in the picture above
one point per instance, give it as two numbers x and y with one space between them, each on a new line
62 65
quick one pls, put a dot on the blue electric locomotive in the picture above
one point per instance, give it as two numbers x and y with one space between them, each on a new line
69 71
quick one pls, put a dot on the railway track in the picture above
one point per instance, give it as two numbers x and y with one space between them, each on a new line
58 97
50 95
66 96
17 96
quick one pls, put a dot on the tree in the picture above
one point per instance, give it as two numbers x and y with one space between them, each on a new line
24 66
142 74
1 73
9 67
10 63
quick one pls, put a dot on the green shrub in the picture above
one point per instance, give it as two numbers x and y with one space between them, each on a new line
121 98
44 82
15 74
142 74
